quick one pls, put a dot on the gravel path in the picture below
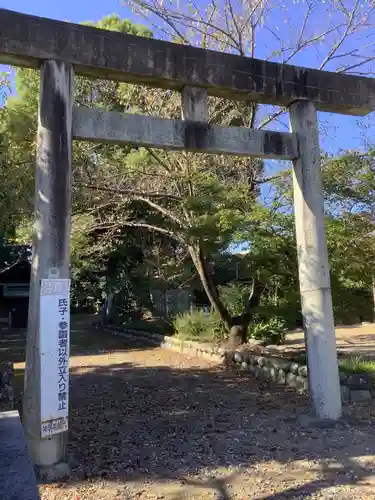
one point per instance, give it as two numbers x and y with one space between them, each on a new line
153 424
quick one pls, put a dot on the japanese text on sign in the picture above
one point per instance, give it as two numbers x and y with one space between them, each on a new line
54 340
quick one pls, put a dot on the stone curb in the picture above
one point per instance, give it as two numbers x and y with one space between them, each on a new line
355 388
6 386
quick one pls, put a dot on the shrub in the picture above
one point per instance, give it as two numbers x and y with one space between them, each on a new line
271 332
200 326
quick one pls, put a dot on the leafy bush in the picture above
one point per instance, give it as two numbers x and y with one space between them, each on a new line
204 326
272 331
200 326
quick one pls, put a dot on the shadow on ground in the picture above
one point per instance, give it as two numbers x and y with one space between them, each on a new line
158 423
137 423
84 341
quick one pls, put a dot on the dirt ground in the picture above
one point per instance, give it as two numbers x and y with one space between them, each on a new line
358 340
153 424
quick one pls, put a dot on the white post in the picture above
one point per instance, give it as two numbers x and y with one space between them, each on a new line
324 383
50 248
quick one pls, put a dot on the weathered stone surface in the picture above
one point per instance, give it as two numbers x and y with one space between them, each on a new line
294 368
279 363
111 55
343 378
312 421
245 357
112 127
291 379
244 365
301 383
194 104
54 473
266 371
313 264
281 377
251 359
302 371
237 357
260 360
359 381
6 388
17 477
360 396
273 373
345 394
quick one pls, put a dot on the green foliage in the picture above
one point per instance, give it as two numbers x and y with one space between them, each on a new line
271 332
136 212
357 365
113 22
200 326
234 296
350 364
103 266
204 326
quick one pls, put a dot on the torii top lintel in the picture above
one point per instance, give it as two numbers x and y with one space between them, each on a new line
29 40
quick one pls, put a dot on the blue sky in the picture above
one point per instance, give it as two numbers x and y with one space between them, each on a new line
339 132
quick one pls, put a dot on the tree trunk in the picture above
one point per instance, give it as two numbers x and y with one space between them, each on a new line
238 325
197 255
110 309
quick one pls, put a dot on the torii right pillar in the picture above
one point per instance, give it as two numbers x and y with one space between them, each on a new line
313 268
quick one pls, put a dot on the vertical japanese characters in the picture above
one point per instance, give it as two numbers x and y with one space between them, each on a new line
54 337
63 356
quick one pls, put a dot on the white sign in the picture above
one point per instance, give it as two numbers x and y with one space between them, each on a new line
54 359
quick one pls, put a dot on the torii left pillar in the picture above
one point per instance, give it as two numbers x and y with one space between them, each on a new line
51 255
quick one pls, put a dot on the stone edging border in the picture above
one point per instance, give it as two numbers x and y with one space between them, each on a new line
356 388
6 386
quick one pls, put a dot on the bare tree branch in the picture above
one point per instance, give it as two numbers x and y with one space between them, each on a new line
131 192
270 118
343 37
141 225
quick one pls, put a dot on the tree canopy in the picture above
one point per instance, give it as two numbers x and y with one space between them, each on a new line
145 218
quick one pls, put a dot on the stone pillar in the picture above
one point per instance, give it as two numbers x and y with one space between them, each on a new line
324 384
194 104
51 255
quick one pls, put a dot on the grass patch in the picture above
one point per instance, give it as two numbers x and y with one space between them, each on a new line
199 326
352 364
357 365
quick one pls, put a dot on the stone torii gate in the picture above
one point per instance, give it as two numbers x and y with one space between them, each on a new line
60 50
